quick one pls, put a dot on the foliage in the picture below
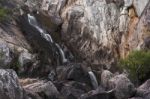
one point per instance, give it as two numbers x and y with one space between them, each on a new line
3 14
137 63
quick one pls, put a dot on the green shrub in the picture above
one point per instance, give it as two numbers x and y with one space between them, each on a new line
137 63
3 14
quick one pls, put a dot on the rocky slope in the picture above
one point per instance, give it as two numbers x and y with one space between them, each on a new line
63 46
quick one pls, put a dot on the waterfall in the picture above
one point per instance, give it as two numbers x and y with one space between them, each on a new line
32 20
64 60
93 79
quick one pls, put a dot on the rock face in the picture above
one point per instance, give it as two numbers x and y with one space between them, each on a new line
9 85
102 30
96 31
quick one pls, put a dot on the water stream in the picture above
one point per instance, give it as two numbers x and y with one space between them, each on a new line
33 22
93 79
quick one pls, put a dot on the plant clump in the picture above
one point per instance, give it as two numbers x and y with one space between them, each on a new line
137 64
3 14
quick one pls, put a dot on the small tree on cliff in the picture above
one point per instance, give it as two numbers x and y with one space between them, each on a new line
137 63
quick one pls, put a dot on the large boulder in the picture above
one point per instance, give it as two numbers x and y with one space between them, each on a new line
42 89
9 85
75 72
123 87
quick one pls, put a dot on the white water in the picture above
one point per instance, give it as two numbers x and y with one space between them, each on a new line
64 60
93 79
32 20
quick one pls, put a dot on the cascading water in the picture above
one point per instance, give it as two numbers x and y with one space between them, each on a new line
64 60
93 79
33 22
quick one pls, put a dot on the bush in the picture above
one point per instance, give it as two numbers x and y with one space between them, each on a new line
137 63
3 14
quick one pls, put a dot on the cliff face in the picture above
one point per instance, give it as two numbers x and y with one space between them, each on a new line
69 43
96 31
102 30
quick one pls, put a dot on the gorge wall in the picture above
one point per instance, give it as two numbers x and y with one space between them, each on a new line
96 31
100 31
68 49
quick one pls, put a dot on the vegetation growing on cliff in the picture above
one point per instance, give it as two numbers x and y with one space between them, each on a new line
137 64
3 14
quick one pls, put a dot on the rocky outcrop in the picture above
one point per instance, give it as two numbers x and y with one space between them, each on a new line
9 85
101 31
97 32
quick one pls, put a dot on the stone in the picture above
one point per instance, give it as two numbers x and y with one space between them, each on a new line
69 91
73 72
72 89
122 85
25 60
105 77
5 56
43 89
9 85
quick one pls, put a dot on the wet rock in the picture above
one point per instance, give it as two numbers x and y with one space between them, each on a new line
42 89
122 85
9 85
105 77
